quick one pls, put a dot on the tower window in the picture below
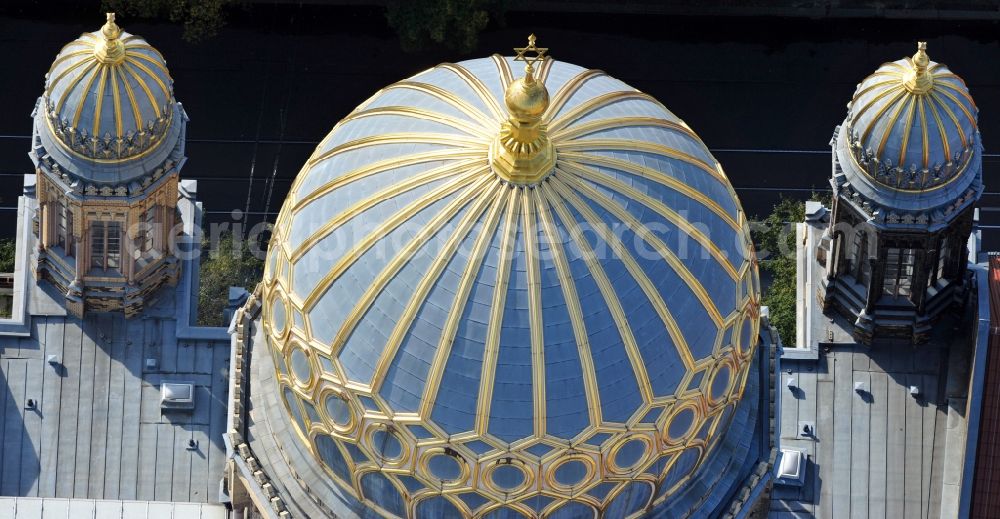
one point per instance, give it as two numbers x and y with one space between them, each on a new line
942 262
852 265
898 272
860 266
105 245
64 227
146 231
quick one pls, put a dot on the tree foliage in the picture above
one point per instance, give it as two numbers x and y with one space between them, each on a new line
456 24
7 246
222 267
201 18
775 240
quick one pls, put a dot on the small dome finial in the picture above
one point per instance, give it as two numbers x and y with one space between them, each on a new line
110 50
110 29
522 152
919 80
920 59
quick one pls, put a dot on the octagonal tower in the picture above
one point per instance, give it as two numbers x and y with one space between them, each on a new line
907 171
108 145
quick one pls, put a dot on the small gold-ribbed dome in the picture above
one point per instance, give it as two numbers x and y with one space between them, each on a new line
109 96
912 124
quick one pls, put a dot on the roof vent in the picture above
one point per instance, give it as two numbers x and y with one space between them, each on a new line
177 396
792 469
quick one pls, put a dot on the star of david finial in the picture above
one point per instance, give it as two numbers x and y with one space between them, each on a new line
522 54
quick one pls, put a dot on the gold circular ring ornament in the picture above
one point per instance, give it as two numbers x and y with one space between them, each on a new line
571 472
444 465
387 444
300 365
674 436
278 315
717 395
337 411
629 454
507 476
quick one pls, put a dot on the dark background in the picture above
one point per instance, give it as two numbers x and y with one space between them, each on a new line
763 92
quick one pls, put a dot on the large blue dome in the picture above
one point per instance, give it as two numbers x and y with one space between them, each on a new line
439 331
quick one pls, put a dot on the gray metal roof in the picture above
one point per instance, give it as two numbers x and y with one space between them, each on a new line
58 508
97 431
876 454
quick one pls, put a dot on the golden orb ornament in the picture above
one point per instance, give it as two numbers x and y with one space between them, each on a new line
526 98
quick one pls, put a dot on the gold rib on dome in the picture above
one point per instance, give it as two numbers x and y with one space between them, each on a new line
522 152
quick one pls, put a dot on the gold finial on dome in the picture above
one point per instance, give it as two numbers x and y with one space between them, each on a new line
919 80
110 50
522 153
